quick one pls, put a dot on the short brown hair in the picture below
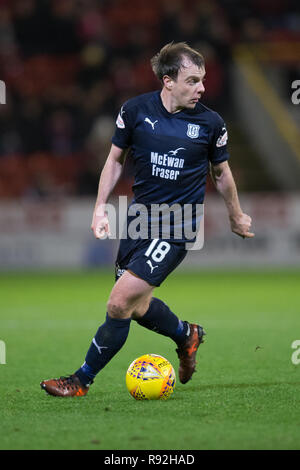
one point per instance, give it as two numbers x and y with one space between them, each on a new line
168 60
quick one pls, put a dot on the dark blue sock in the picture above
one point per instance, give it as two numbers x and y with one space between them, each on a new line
160 319
108 340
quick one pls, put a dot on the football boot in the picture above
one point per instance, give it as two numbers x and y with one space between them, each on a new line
187 352
69 386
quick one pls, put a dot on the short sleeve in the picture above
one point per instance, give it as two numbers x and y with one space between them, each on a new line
122 137
218 152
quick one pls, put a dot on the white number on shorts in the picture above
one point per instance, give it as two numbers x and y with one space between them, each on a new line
159 252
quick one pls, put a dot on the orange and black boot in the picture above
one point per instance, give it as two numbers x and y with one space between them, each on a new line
69 386
187 352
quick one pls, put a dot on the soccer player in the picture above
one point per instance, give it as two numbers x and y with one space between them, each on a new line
175 141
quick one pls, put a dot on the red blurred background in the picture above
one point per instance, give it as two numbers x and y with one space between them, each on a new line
68 65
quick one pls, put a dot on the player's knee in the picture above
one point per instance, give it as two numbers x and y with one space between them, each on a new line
118 308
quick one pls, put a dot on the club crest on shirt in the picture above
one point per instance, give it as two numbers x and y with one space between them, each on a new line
193 131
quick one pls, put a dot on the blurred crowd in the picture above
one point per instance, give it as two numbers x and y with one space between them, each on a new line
68 66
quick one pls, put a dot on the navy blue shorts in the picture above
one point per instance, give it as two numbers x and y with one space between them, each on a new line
151 260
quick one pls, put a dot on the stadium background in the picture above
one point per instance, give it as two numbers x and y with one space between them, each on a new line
68 65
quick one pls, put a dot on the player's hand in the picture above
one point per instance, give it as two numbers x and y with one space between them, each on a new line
240 224
100 225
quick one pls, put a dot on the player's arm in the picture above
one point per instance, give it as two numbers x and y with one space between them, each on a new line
109 177
225 185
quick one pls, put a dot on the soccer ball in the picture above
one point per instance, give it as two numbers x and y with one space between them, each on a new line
150 377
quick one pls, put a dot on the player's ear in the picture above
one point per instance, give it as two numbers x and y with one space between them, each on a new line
168 82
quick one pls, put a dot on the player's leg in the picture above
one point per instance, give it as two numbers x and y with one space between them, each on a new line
128 293
159 318
187 336
162 259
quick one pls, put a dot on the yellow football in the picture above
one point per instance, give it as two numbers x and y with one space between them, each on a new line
150 377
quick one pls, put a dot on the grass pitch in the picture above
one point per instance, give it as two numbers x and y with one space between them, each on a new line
245 394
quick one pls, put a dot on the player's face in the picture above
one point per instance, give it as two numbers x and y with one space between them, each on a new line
188 88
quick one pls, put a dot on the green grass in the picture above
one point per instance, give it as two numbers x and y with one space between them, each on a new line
245 394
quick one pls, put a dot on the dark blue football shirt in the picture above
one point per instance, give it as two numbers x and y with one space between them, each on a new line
171 152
